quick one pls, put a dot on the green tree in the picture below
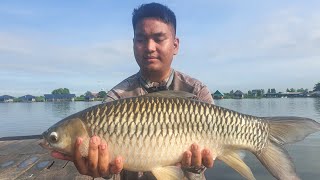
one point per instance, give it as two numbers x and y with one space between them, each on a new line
226 96
40 99
81 98
102 94
291 90
88 93
17 100
302 90
317 87
259 93
231 93
61 91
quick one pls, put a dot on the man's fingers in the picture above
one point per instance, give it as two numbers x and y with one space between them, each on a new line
186 159
196 155
79 162
103 162
93 156
207 158
116 166
179 164
58 155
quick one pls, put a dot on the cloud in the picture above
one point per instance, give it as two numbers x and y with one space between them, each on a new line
104 53
281 49
14 44
234 46
37 66
36 56
284 34
290 34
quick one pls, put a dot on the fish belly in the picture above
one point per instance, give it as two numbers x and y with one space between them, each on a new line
144 154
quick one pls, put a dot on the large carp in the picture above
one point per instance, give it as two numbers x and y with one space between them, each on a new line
152 132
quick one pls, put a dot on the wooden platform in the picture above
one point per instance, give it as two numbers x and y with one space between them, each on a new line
23 158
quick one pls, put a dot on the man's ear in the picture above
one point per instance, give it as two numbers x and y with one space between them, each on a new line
176 45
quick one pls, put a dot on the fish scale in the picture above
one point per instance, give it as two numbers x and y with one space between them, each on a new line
152 132
153 114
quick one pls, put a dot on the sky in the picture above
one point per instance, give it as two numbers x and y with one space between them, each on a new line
228 45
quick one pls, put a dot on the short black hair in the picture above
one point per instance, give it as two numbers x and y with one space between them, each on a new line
154 10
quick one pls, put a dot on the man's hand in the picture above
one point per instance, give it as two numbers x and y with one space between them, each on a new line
97 163
196 158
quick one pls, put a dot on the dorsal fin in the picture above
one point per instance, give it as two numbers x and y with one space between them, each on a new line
172 94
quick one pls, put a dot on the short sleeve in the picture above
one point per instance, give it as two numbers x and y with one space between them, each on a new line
205 95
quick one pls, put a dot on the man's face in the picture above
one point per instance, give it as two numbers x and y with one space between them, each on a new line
154 45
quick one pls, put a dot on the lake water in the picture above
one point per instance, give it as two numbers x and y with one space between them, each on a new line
33 118
17 119
305 154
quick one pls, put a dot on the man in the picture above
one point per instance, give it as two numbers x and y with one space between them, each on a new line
154 43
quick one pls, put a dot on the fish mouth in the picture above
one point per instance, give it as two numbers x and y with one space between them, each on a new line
44 144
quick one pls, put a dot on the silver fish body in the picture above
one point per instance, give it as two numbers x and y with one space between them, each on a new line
152 132
148 131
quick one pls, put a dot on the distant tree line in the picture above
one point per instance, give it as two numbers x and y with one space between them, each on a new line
61 91
317 87
259 93
101 95
298 90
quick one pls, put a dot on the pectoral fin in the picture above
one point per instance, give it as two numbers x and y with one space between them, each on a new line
168 173
234 160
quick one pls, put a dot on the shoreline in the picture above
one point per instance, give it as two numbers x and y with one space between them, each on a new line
215 99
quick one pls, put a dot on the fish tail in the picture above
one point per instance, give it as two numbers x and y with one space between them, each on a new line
284 130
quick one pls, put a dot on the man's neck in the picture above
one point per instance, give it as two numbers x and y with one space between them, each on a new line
156 76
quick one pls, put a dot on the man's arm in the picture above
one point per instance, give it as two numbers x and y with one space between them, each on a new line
111 96
205 95
107 99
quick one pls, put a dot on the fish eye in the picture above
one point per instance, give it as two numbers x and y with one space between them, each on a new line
53 137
